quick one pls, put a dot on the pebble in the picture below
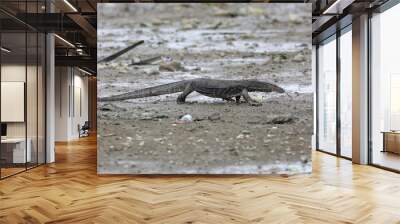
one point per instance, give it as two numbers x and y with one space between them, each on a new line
246 132
171 67
105 109
281 120
240 136
299 58
158 139
187 118
151 72
214 117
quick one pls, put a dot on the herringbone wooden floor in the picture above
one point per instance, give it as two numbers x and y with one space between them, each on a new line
70 191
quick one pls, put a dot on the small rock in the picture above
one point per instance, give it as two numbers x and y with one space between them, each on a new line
191 129
105 109
279 58
214 117
199 118
299 58
135 60
187 118
160 116
171 66
151 72
240 136
146 116
281 120
233 152
246 132
253 122
231 14
197 69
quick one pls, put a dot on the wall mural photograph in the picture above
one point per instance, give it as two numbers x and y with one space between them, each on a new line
204 88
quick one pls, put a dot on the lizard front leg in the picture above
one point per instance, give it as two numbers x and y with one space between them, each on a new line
248 99
181 98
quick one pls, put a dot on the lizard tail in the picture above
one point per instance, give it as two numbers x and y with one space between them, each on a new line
169 88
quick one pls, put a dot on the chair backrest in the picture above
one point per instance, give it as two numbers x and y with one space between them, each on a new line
86 125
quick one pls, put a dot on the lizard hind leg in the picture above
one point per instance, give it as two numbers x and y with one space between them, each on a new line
181 98
237 98
248 99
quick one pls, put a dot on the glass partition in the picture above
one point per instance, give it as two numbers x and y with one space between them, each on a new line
385 89
22 101
346 93
13 95
327 96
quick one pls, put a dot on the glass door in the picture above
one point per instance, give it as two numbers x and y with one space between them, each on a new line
327 95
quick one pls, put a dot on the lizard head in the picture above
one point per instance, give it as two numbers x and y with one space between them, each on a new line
258 86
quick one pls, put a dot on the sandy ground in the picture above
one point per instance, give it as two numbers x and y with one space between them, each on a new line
268 42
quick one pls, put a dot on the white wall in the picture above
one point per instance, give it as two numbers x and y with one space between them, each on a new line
33 125
17 73
61 103
12 73
71 94
80 104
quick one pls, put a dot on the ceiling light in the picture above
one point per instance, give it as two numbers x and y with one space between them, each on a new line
5 50
65 41
86 72
70 5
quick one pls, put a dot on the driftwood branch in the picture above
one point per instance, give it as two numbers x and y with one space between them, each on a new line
121 52
147 61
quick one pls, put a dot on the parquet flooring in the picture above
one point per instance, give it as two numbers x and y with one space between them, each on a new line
70 191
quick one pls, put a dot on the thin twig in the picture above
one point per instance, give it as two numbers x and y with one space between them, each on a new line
121 52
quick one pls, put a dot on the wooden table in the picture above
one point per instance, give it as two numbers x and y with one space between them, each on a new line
391 141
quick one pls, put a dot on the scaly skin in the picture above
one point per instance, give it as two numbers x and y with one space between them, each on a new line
224 89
